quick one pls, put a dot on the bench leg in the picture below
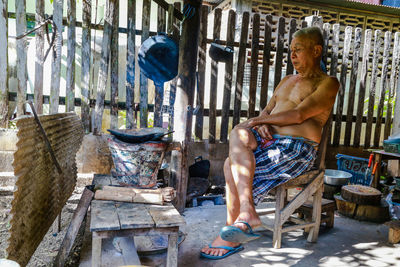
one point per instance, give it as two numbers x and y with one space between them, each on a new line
316 215
280 199
96 251
331 219
172 258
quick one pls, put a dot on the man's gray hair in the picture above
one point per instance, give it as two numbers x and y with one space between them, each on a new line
313 33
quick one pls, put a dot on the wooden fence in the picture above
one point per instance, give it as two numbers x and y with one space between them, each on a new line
365 62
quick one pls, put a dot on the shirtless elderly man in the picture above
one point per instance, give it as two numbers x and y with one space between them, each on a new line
278 145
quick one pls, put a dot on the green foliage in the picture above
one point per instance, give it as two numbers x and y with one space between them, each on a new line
385 104
12 124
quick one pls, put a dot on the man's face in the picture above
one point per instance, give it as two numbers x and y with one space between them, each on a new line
301 53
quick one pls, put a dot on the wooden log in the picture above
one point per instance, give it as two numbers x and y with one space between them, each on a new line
3 64
372 87
352 89
39 57
382 87
279 51
103 69
114 68
342 89
214 80
226 101
201 68
394 231
85 58
240 68
362 87
292 30
20 22
361 194
73 227
394 76
266 61
143 79
254 65
130 66
56 58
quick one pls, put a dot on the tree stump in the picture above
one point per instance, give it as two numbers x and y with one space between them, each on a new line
394 232
360 194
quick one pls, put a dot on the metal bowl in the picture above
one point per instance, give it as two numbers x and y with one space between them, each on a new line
336 177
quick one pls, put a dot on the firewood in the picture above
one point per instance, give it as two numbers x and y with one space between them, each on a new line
360 194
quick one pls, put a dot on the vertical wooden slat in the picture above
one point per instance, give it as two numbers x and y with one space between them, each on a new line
372 87
56 58
103 69
201 69
161 19
266 62
382 87
292 30
342 89
39 56
3 64
70 89
130 66
334 61
254 65
326 29
226 102
394 76
363 81
240 68
352 89
143 80
21 56
114 68
279 51
214 80
396 87
86 54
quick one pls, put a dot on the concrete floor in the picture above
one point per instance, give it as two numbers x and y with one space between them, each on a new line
349 243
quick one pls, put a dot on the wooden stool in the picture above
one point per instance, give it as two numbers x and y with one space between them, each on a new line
328 207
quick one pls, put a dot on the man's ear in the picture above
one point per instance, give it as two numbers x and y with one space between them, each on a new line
317 50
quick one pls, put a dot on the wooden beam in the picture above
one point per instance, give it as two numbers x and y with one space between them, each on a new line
3 65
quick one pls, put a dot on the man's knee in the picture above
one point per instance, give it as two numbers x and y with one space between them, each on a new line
242 136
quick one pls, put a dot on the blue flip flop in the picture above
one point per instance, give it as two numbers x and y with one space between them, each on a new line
234 234
232 250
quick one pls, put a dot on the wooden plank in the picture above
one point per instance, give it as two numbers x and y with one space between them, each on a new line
342 89
161 19
326 32
382 87
255 37
362 87
214 80
85 58
240 68
201 70
71 43
266 61
396 87
143 80
103 69
104 216
56 57
372 87
73 227
165 216
3 64
132 216
335 50
279 51
292 30
39 57
20 21
353 81
114 68
226 101
172 257
130 66
394 76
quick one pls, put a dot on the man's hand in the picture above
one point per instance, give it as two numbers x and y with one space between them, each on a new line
264 130
246 124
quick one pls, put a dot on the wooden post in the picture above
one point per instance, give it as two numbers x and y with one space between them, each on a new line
20 15
39 42
266 61
3 64
56 58
86 54
255 37
188 49
114 67
143 79
292 30
130 66
396 87
279 51
334 60
70 90
103 70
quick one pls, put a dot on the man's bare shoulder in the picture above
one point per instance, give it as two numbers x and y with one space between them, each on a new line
329 83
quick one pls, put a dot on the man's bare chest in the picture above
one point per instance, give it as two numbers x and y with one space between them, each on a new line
294 91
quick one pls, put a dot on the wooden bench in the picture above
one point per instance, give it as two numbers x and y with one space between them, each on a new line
122 219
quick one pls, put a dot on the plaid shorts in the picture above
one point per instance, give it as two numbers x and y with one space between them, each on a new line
279 160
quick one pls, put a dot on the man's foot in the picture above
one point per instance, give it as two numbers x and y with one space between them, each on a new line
241 231
219 252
